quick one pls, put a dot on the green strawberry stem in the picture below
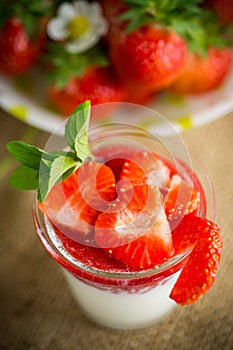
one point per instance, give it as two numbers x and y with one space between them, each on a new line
41 170
65 65
29 12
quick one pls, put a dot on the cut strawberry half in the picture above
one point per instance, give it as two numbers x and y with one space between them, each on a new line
74 204
181 199
135 229
132 164
199 272
146 167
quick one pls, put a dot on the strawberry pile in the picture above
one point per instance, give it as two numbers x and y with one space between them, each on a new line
137 210
144 47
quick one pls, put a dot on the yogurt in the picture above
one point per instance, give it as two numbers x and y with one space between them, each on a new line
125 311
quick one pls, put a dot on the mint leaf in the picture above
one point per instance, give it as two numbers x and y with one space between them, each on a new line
82 147
76 130
26 154
24 178
43 181
53 171
59 167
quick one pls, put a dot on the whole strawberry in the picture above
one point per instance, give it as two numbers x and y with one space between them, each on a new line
96 84
150 58
76 77
204 73
150 49
22 35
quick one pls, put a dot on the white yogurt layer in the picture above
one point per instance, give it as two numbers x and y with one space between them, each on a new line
124 310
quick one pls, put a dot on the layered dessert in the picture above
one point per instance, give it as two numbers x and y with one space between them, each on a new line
122 286
127 225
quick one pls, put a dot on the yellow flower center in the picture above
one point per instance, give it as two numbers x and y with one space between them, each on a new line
78 26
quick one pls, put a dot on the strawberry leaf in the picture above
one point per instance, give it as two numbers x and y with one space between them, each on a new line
67 65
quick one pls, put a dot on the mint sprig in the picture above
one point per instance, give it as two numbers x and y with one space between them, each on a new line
41 170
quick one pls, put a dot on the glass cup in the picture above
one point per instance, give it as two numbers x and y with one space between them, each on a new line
121 299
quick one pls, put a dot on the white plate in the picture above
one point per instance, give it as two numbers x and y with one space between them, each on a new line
183 112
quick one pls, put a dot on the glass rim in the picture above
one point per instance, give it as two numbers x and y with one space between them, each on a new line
68 259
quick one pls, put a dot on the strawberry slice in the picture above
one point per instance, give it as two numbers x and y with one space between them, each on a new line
181 199
135 230
199 272
74 204
146 167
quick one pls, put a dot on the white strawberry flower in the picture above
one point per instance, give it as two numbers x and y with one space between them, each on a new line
80 24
